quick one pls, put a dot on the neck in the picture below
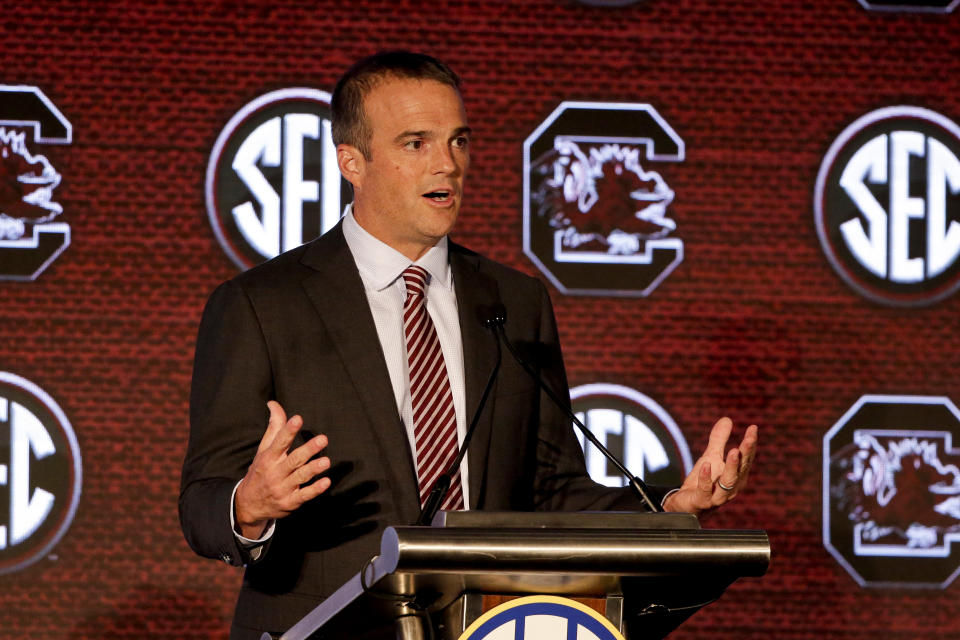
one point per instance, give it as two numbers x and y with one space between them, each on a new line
374 225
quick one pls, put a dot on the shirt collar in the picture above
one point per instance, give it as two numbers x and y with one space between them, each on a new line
380 264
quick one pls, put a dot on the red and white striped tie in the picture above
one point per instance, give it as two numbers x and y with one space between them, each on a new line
434 417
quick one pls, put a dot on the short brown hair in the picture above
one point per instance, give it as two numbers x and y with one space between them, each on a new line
349 123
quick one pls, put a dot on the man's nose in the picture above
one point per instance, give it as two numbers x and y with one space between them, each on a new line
444 160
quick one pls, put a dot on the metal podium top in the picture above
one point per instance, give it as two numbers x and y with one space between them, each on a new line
427 568
565 520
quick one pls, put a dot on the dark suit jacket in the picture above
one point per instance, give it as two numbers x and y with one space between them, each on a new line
298 329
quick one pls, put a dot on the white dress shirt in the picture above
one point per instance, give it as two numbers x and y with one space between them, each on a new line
380 268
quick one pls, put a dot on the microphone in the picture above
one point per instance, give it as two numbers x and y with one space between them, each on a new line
498 318
488 318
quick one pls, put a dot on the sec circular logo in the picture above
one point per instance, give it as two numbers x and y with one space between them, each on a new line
541 618
635 429
272 181
887 206
40 473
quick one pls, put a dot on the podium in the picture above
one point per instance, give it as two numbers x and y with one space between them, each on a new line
644 572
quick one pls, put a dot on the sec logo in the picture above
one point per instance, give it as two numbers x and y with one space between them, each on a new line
40 473
887 203
541 618
272 180
635 429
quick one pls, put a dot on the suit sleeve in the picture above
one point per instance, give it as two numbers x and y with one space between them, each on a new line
232 382
562 482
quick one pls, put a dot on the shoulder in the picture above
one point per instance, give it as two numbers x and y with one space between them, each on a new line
512 278
482 281
281 268
286 273
245 292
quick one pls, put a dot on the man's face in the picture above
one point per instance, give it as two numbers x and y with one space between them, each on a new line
408 192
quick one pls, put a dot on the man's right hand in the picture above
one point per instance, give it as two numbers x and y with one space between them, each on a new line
273 486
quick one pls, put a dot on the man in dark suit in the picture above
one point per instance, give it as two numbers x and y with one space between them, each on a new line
319 331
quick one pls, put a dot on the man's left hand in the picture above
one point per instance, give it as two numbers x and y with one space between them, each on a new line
716 479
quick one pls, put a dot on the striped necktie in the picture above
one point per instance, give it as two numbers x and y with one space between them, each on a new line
434 417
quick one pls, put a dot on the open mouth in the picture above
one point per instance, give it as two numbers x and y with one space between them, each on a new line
437 196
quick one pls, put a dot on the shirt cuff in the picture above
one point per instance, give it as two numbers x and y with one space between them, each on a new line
669 493
247 543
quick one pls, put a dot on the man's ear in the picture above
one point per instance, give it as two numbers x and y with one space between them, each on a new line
352 164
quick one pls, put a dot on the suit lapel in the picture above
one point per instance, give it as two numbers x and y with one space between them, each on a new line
337 293
475 290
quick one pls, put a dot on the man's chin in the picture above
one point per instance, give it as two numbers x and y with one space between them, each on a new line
439 221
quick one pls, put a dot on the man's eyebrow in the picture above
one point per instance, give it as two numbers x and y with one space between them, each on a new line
425 134
410 134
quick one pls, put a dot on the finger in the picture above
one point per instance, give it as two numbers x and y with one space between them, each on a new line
309 492
719 435
309 471
748 447
302 454
731 474
278 417
705 480
283 439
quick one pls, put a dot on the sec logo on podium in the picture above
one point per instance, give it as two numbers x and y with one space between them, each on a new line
541 618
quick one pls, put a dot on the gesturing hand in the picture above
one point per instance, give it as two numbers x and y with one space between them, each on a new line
274 484
716 479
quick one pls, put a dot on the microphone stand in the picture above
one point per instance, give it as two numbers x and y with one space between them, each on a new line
638 486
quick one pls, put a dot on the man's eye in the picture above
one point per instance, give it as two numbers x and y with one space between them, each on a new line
461 142
414 145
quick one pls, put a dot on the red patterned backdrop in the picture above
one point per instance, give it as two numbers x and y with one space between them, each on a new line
754 322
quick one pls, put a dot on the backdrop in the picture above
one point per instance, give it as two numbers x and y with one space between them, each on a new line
757 314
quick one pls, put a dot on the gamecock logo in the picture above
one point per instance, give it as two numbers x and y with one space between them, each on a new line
30 239
892 491
596 218
26 188
604 204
